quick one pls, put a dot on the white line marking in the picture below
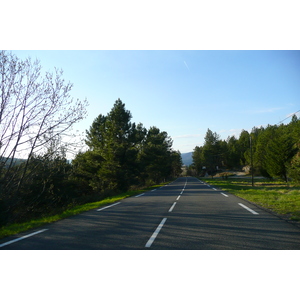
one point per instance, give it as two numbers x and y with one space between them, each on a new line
181 192
185 184
254 212
153 190
22 238
224 195
108 206
178 198
156 232
139 195
172 206
214 189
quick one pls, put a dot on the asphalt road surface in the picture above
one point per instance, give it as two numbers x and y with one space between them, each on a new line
185 214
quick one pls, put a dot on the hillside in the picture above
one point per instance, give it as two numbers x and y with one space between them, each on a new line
16 161
187 158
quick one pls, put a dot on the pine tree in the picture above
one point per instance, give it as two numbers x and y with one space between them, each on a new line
279 152
155 156
197 160
211 152
115 139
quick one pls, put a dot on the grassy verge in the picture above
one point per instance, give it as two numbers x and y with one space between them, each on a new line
277 196
17 228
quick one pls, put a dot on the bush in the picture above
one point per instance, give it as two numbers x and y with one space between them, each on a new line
294 168
45 189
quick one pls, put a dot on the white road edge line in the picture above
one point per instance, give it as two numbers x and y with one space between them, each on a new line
172 206
139 195
22 238
108 206
251 210
224 195
156 232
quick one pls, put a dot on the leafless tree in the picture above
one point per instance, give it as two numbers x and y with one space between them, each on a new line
35 107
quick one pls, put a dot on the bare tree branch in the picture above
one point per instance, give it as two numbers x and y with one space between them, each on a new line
34 108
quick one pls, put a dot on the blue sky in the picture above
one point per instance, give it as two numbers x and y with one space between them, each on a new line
183 92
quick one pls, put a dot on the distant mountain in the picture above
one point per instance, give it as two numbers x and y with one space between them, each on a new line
187 158
16 161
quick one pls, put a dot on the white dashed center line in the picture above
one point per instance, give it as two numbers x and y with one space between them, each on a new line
156 232
172 206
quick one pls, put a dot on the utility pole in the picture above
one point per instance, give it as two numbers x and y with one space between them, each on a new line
251 158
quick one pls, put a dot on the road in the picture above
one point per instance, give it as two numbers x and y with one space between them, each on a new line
185 214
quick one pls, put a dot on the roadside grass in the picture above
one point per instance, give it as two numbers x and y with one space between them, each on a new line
12 229
276 196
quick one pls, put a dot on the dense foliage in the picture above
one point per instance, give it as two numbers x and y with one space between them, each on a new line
122 154
37 112
272 151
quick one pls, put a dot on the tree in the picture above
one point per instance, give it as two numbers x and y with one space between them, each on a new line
127 154
274 147
197 160
95 137
114 138
34 110
294 168
176 163
232 155
261 148
243 146
155 155
280 151
32 105
85 171
212 152
211 138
